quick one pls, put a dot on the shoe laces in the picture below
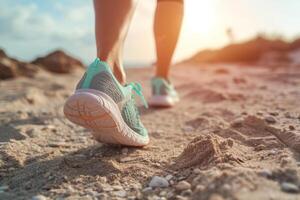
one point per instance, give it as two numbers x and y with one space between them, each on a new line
137 88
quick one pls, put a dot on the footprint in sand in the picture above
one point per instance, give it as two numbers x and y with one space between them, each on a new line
206 95
255 131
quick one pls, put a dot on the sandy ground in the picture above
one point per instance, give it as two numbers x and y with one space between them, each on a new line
234 135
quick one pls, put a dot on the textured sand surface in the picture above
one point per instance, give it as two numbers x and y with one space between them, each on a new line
234 135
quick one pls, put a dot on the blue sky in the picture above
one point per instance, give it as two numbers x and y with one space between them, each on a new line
30 28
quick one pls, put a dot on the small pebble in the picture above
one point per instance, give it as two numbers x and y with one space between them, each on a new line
170 195
216 197
259 113
163 193
120 193
147 189
39 197
289 187
237 123
265 173
182 185
288 115
270 119
274 113
197 171
117 187
126 159
3 188
169 177
179 197
159 182
186 193
199 188
124 151
227 187
291 127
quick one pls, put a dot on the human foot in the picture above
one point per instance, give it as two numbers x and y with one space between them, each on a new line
163 93
101 104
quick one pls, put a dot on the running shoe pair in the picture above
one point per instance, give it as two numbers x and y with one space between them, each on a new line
101 104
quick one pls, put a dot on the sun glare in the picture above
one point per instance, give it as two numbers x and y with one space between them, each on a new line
200 15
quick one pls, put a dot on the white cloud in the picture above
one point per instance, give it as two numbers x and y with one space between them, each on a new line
27 30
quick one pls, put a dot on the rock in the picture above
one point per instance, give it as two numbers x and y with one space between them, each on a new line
163 193
288 115
124 151
32 132
265 173
197 171
270 119
159 182
59 144
289 187
260 113
182 185
227 187
237 123
102 179
179 197
199 188
291 127
103 196
107 188
39 197
91 192
70 189
216 197
168 177
170 195
120 193
117 187
58 62
127 159
147 190
274 113
3 188
186 192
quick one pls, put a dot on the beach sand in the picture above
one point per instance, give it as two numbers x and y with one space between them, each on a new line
234 135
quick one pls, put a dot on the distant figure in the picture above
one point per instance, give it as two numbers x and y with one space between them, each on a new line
103 102
230 35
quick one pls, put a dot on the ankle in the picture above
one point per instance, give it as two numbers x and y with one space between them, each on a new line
163 76
119 74
108 59
115 66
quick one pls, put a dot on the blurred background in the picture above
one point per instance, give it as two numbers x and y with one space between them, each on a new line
31 28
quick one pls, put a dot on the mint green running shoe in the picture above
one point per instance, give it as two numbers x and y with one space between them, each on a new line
163 93
107 108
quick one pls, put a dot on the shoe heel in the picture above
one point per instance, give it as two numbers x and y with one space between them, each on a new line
96 111
87 110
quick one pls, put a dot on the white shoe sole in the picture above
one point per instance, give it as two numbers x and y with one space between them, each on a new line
162 101
97 112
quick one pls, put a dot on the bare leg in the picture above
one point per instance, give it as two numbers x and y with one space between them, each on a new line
112 20
167 25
